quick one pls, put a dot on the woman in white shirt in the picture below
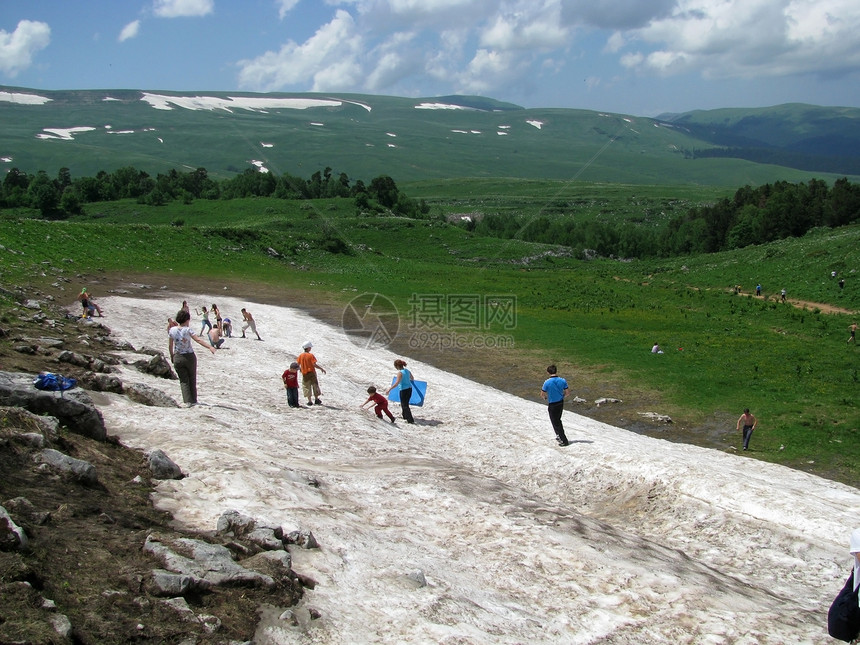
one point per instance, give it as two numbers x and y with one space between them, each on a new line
183 356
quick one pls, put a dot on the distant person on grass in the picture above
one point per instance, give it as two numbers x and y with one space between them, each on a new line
554 392
749 423
183 356
853 331
310 384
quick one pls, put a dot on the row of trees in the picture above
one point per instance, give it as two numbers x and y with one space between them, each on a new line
63 196
753 216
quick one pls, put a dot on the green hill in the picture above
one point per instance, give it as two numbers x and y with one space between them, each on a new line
365 136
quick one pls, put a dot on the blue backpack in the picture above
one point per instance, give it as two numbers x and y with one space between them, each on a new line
53 382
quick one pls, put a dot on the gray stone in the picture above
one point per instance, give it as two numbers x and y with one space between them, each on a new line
157 365
147 395
210 562
236 523
12 536
81 470
74 408
161 466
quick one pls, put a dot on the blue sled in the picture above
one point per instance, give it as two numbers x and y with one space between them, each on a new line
419 389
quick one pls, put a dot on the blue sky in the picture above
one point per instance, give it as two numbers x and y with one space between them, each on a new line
639 57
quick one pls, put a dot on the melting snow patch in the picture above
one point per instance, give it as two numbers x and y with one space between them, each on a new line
503 134
109 98
23 99
259 165
160 140
317 123
391 134
391 145
537 124
267 145
504 127
121 132
460 131
441 106
64 134
6 159
258 103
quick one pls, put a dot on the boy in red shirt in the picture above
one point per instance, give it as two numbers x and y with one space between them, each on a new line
380 401
291 383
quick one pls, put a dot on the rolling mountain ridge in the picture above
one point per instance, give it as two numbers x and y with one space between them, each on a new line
412 139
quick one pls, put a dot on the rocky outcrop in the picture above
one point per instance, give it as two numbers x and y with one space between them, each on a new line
74 408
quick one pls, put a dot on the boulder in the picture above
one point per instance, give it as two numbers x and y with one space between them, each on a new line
140 393
161 466
157 365
12 536
81 470
74 408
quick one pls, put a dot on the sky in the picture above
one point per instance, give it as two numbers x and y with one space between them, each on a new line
628 56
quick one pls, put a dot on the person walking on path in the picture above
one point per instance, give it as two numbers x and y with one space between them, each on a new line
248 321
554 392
310 384
379 401
403 383
291 384
183 356
852 328
758 290
749 423
782 293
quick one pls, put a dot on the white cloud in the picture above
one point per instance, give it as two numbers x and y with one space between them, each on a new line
182 8
285 6
749 38
129 31
17 49
331 55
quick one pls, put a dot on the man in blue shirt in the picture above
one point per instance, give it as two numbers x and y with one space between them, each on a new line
554 391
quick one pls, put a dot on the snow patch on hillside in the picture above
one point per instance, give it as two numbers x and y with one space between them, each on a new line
230 103
23 99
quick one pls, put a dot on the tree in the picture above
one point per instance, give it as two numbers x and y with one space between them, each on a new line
43 194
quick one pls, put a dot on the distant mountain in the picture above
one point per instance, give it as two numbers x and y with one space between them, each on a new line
365 136
796 135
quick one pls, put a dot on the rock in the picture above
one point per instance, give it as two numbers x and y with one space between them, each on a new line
32 304
61 624
147 395
161 466
101 382
604 400
210 562
12 536
304 539
73 408
80 470
74 358
158 365
653 416
169 584
236 523
265 539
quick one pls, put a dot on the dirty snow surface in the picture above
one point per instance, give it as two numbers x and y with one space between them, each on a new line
472 526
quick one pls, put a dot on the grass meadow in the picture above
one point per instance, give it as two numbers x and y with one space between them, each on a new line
723 351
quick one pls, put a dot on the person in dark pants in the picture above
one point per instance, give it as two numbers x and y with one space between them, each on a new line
403 382
183 356
749 422
554 391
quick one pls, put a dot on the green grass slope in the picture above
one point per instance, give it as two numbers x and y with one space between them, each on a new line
363 136
789 362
